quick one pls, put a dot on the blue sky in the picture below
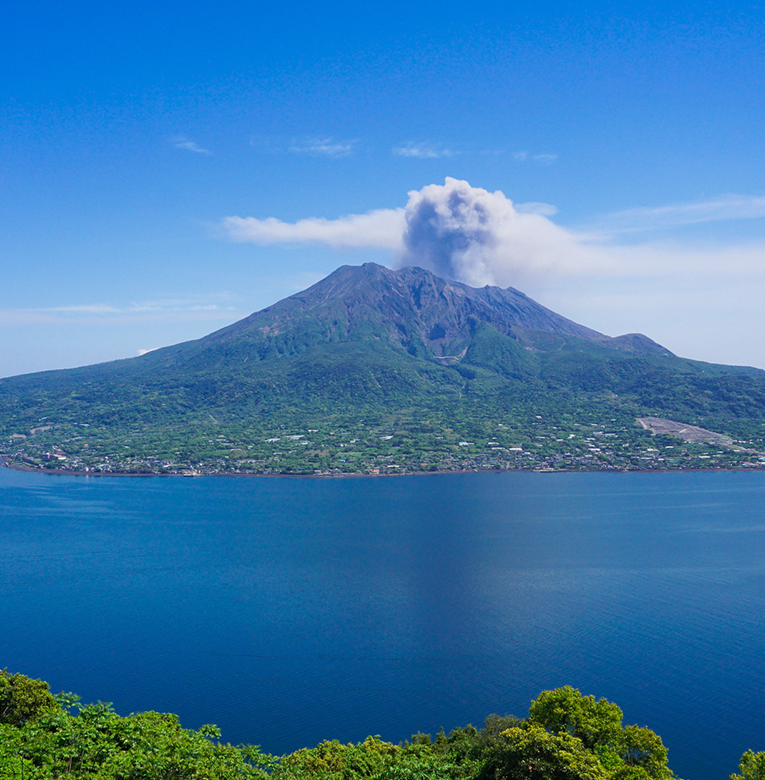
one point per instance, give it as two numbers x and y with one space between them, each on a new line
130 135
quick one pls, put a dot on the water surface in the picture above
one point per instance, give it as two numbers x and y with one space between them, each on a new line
289 611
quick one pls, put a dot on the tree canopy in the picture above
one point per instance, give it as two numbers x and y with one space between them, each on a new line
567 736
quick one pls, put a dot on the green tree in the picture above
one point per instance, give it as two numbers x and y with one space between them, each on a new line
331 760
566 710
629 753
23 699
529 752
751 766
641 747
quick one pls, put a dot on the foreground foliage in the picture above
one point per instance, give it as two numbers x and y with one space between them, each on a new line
41 740
567 736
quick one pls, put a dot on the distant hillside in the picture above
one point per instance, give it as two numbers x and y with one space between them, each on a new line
377 347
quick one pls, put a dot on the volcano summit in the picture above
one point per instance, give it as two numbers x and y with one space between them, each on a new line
378 371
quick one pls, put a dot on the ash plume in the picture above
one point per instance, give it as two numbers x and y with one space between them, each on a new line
478 237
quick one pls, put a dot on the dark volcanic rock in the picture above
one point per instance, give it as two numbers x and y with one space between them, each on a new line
413 306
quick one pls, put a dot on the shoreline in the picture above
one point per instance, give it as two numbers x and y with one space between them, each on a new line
146 474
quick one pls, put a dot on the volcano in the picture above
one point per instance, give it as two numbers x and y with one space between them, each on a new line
368 341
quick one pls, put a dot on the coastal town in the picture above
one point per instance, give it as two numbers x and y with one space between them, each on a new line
386 449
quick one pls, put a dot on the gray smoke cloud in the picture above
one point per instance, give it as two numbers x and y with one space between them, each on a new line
479 237
455 230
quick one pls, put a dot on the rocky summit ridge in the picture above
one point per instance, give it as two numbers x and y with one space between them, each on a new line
414 305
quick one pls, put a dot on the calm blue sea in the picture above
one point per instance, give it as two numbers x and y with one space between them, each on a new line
288 611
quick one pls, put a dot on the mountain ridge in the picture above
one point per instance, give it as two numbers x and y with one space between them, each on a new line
442 308
420 312
369 343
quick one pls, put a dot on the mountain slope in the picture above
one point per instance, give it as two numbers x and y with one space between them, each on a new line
368 342
411 307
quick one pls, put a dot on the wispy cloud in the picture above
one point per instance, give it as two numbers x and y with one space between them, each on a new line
324 147
181 142
526 156
532 207
167 309
422 151
381 228
722 207
159 305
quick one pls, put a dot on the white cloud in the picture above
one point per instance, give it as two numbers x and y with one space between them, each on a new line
422 151
481 237
184 143
167 310
532 207
453 229
324 147
723 207
382 228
